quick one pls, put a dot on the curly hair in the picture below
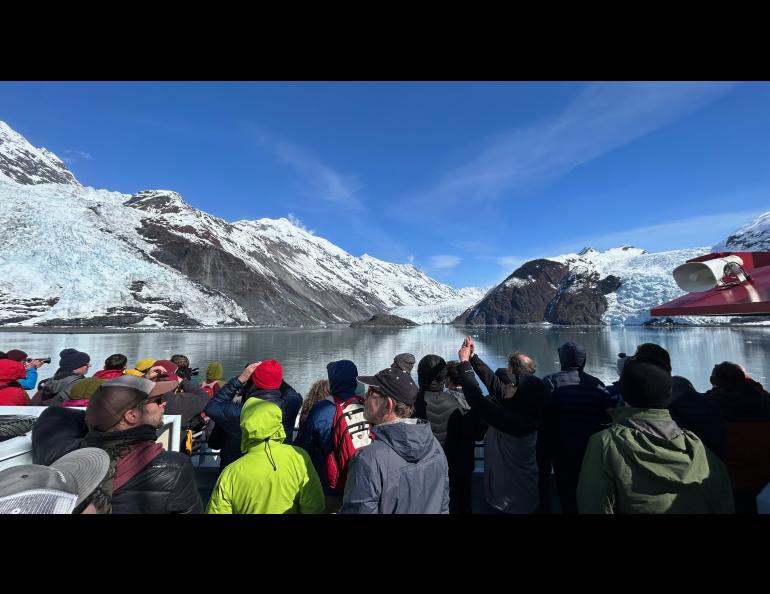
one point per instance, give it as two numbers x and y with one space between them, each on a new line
318 391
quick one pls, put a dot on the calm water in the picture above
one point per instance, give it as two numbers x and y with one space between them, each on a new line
305 352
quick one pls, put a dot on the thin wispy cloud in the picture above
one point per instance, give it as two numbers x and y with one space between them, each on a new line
321 181
410 259
317 180
602 117
442 261
298 223
70 156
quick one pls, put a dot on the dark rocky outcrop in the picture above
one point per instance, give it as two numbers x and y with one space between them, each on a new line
579 300
544 291
609 284
380 320
521 298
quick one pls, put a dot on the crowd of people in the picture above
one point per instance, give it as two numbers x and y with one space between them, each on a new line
381 444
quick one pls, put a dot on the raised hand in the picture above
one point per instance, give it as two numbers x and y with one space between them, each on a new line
464 354
153 372
246 373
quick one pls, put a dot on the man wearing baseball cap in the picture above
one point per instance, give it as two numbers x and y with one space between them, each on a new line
404 470
122 419
64 487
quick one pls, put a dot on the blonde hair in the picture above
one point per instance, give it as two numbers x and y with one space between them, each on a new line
318 391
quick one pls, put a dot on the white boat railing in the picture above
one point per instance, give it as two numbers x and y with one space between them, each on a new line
18 450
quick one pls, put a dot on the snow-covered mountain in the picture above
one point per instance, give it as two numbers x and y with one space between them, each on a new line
25 164
754 237
74 255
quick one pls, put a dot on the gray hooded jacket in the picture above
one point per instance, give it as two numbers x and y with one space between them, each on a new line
404 471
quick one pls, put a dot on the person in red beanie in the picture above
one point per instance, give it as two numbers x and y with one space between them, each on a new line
11 393
264 380
268 375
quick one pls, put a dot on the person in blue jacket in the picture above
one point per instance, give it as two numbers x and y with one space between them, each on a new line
263 379
30 380
316 435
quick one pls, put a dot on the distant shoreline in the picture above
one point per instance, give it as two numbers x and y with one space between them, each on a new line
73 330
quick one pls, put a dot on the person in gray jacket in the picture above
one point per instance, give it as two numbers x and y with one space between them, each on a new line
73 366
404 470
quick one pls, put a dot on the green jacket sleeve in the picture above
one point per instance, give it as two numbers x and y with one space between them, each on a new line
221 501
596 488
721 487
311 494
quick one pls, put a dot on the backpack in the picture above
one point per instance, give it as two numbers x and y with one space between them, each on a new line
350 432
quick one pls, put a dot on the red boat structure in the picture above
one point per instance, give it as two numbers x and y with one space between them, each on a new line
721 284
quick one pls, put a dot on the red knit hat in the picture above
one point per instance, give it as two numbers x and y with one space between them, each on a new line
268 375
11 370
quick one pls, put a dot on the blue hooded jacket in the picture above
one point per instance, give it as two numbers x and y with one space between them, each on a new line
316 434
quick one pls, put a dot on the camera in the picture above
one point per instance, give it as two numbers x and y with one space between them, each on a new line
42 360
186 372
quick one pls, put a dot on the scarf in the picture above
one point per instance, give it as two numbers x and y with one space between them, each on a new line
129 451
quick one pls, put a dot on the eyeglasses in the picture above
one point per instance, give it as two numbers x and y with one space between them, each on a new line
158 400
372 392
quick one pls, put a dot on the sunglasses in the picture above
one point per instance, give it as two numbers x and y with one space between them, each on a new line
158 400
372 392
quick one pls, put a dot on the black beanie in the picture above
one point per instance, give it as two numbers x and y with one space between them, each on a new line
655 354
572 356
70 359
645 385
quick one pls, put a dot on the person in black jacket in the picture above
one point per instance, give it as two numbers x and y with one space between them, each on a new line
514 413
746 411
453 423
431 373
698 413
122 419
576 409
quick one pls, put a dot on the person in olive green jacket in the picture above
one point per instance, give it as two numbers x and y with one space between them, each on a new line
645 462
272 477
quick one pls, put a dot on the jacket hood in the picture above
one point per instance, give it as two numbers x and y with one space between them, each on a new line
572 356
11 370
431 373
342 378
649 439
681 386
214 371
261 421
412 439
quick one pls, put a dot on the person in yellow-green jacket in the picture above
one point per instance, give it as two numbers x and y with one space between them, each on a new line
645 463
271 477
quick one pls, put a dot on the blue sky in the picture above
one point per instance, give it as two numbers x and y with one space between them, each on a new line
466 180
